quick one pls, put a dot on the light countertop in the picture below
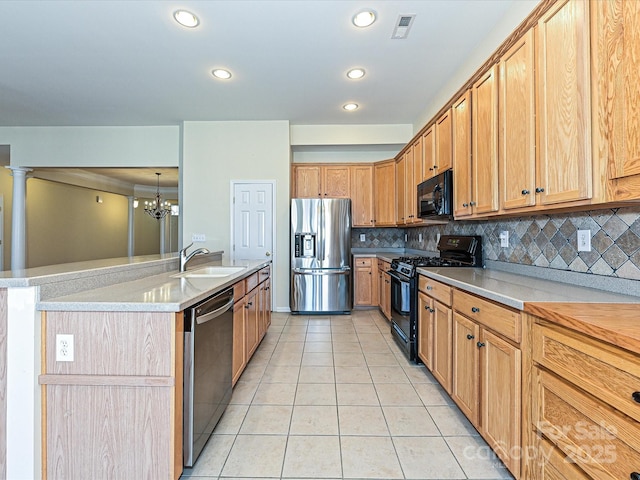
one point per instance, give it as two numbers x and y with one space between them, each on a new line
164 292
514 290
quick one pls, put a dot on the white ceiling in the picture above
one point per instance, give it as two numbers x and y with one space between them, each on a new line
113 62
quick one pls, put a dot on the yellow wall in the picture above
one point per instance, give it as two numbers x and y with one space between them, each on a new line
66 224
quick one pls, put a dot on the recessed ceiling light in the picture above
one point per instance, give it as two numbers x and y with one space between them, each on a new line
364 18
221 73
186 19
355 73
350 107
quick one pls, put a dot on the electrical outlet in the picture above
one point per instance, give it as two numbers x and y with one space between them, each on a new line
363 237
420 237
406 237
584 240
504 239
198 237
64 347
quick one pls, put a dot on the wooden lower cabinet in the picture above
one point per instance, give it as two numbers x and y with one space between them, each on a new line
384 288
585 405
442 343
239 343
487 373
365 287
425 329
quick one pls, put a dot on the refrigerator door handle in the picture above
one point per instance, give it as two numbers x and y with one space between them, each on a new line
321 240
310 271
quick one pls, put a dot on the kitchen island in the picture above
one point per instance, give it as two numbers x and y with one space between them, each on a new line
128 346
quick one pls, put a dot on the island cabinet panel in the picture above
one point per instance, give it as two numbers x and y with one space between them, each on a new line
562 42
3 383
116 410
109 343
107 432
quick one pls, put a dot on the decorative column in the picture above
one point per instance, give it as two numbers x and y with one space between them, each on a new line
19 217
130 232
163 230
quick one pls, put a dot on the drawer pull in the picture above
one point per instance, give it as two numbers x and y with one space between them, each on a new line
470 337
475 309
480 344
636 397
429 287
634 476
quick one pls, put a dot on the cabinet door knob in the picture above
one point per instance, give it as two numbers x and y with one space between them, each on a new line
480 344
634 476
429 287
636 396
473 204
431 168
525 192
470 337
539 189
475 309
465 204
435 167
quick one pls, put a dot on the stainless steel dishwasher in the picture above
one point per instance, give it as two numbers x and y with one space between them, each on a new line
208 340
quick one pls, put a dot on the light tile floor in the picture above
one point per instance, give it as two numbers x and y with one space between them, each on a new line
334 397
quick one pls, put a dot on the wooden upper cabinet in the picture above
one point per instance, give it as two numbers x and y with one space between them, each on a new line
517 126
385 193
443 143
362 196
400 190
336 181
313 181
563 79
307 181
616 41
461 121
485 142
428 152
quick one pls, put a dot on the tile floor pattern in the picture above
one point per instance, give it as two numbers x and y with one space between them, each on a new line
334 397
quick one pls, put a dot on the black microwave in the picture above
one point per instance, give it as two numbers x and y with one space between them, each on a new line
435 196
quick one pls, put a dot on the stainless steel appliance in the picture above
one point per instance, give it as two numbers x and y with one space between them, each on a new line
435 196
455 251
321 255
208 339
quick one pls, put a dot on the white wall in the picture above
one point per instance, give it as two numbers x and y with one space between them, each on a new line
214 153
514 16
92 146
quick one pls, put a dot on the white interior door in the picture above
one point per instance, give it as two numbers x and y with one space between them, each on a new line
252 220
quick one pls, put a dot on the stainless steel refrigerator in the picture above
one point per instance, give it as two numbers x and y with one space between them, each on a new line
321 255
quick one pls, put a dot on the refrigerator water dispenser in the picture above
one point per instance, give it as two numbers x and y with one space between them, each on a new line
305 245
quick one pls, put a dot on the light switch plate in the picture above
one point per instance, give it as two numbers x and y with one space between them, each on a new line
363 237
198 237
420 237
504 239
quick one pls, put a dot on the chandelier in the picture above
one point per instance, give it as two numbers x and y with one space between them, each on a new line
157 208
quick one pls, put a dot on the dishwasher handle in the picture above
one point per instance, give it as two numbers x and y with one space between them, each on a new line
216 313
213 307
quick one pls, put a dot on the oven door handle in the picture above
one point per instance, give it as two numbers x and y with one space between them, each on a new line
398 276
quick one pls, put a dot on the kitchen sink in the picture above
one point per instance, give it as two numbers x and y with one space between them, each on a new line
210 272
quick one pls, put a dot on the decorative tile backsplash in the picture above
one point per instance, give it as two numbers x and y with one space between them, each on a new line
540 240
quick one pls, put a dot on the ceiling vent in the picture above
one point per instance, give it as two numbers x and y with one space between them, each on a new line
403 25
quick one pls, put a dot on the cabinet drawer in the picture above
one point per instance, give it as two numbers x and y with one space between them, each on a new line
363 262
437 290
604 371
554 465
251 282
500 319
238 290
601 441
263 274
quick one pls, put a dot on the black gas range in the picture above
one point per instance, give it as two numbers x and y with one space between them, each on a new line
455 251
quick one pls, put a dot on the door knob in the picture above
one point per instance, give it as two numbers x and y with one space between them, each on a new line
539 189
268 254
470 337
480 344
525 192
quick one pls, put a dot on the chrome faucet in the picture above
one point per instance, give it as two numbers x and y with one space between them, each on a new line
184 258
